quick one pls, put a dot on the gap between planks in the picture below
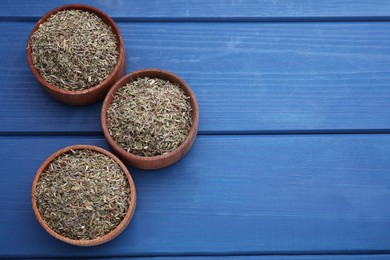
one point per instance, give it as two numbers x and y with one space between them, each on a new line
324 19
356 254
210 133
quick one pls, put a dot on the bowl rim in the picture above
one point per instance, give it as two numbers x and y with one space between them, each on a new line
96 241
107 19
140 74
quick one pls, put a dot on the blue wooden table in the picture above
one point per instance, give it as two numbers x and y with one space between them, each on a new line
292 158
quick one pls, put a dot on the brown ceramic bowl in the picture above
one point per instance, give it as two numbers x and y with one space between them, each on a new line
92 94
159 161
100 240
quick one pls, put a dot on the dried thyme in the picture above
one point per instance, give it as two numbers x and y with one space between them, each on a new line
149 117
83 194
74 50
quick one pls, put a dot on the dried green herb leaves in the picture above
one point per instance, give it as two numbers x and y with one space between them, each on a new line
149 117
74 50
83 194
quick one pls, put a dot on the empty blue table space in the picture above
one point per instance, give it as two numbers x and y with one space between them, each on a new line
292 158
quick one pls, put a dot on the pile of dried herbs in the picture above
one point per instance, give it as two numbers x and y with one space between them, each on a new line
74 50
83 194
149 117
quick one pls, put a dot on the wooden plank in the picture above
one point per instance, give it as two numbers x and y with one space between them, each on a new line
248 77
240 195
194 9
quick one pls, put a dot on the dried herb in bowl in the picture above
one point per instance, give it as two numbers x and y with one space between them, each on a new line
74 50
149 117
83 194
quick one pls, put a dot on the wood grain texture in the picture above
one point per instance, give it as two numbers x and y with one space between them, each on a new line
230 195
247 77
195 9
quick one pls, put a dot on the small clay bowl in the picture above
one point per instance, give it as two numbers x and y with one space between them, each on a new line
100 240
92 94
160 161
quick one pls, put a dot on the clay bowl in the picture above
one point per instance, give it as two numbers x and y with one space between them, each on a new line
160 161
92 94
100 240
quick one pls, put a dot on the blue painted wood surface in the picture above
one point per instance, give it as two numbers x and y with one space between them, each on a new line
212 10
248 77
229 195
292 160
